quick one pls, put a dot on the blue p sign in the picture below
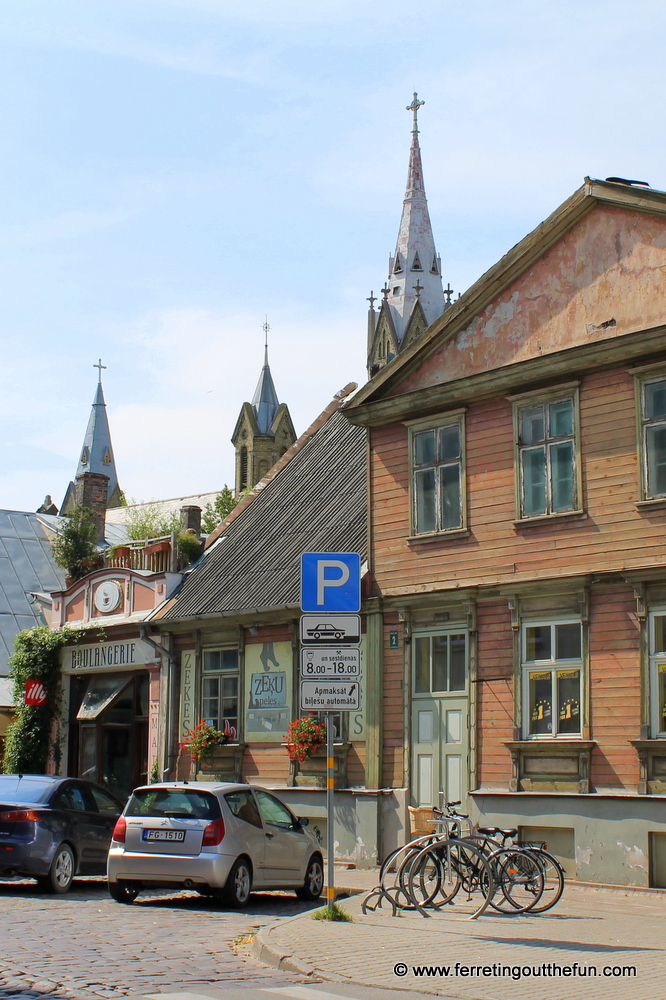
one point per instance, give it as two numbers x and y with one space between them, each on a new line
331 582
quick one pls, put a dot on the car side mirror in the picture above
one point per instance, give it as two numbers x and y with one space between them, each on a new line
303 821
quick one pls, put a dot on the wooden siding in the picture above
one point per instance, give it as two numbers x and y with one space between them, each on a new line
614 534
495 694
266 764
393 775
615 688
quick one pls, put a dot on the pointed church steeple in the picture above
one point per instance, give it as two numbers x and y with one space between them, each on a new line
413 295
265 400
263 431
97 452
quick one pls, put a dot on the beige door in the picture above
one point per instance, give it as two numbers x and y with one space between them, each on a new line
440 718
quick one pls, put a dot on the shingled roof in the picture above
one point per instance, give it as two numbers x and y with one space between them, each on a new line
316 503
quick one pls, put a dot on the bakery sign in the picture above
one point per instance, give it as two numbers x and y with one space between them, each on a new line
104 656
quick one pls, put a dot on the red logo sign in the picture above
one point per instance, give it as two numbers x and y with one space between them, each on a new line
35 693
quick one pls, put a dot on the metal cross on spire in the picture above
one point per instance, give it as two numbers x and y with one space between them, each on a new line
414 106
100 366
266 328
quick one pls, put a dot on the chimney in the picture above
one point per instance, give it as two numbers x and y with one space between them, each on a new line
191 518
91 491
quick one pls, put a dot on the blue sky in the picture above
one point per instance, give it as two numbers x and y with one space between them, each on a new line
174 171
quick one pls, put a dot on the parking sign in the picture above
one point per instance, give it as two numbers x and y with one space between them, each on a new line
331 582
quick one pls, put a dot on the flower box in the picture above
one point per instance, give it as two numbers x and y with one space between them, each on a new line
225 763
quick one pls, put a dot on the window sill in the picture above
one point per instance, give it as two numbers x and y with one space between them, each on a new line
429 536
564 743
651 504
565 515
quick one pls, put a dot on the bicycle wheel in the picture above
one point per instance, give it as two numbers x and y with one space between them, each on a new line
457 864
423 879
553 877
519 879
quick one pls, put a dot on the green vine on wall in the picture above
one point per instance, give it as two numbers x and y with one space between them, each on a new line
33 737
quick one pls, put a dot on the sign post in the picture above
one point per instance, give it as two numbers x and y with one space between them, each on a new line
330 831
330 681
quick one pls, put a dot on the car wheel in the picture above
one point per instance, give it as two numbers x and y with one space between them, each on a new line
238 887
313 883
123 893
61 872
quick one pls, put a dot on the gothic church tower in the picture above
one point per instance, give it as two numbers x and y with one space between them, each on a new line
413 296
263 431
97 452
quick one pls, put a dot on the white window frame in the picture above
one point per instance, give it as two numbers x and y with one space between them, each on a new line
545 398
643 379
415 427
221 674
431 633
553 665
656 660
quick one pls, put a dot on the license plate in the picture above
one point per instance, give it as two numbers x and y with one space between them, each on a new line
178 835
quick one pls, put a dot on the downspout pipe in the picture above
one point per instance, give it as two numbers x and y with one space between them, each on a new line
170 720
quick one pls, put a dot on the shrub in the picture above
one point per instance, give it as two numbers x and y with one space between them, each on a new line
189 545
75 548
30 741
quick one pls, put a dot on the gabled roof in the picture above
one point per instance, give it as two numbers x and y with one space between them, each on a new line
27 566
315 502
507 269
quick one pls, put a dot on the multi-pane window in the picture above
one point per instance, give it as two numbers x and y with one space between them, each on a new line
547 457
219 690
552 667
653 413
437 470
440 663
658 672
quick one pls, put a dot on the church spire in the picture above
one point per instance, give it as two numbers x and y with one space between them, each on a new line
415 261
97 452
265 400
263 430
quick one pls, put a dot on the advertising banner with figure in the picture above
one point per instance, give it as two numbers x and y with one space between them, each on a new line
268 687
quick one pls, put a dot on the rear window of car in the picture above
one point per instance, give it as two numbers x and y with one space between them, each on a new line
15 789
178 803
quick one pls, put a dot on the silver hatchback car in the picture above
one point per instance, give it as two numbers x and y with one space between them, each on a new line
218 838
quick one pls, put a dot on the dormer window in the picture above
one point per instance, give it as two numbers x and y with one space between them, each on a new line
435 268
84 457
107 457
397 267
416 264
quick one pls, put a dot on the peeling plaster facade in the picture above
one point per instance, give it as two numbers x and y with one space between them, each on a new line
604 278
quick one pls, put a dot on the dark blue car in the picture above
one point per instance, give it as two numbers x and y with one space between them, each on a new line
52 829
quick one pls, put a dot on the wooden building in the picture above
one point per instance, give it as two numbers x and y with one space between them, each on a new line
517 487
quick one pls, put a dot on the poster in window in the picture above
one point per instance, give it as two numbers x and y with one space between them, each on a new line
268 675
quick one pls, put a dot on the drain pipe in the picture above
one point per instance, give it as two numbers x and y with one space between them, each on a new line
169 754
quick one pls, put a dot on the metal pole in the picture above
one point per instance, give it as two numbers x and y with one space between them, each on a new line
330 833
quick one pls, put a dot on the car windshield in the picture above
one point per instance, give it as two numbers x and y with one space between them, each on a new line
14 788
174 803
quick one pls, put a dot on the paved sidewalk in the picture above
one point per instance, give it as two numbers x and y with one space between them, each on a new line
602 929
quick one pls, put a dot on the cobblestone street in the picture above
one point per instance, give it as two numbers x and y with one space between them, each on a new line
84 944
